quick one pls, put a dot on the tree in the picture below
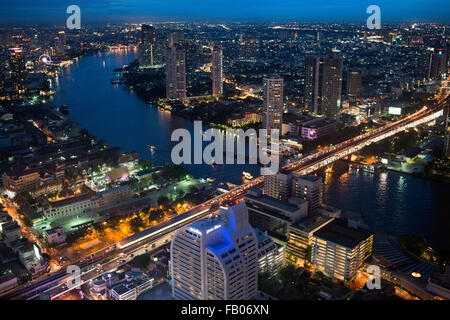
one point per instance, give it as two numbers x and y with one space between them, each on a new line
163 201
145 164
142 261
137 224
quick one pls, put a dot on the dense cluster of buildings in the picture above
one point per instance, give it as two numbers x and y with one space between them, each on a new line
220 257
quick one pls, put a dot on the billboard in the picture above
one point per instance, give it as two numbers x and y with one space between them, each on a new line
395 110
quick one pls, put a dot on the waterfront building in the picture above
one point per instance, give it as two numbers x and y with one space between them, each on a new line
60 43
339 249
175 72
216 258
272 215
323 85
354 83
273 104
239 120
148 39
17 68
278 185
299 245
217 71
285 185
308 188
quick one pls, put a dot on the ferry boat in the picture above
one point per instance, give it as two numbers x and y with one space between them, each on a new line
213 164
151 147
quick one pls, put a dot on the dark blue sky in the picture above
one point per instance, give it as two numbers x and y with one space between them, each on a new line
100 11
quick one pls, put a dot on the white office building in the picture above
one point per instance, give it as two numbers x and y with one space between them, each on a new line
216 258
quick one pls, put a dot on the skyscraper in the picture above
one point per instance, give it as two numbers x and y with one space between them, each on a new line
175 72
17 67
148 39
437 64
216 258
176 38
273 104
323 85
217 71
354 82
60 43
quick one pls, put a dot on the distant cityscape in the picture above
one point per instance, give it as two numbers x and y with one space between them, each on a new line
83 218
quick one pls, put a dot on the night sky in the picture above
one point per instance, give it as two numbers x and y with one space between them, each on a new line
26 12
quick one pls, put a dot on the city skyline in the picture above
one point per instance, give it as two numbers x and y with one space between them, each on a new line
321 164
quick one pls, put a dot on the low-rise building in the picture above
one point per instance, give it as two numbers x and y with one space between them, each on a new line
7 281
11 231
78 203
131 288
30 256
270 254
114 196
339 249
239 120
318 127
55 235
20 178
299 245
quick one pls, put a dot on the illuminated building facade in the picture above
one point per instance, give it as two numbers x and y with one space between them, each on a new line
17 67
354 83
437 65
323 85
175 72
284 185
308 188
148 39
18 179
270 254
318 127
339 249
273 104
298 248
217 71
216 258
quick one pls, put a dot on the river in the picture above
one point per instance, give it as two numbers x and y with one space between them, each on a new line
390 202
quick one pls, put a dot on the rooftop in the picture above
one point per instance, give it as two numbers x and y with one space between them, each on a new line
339 233
282 205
